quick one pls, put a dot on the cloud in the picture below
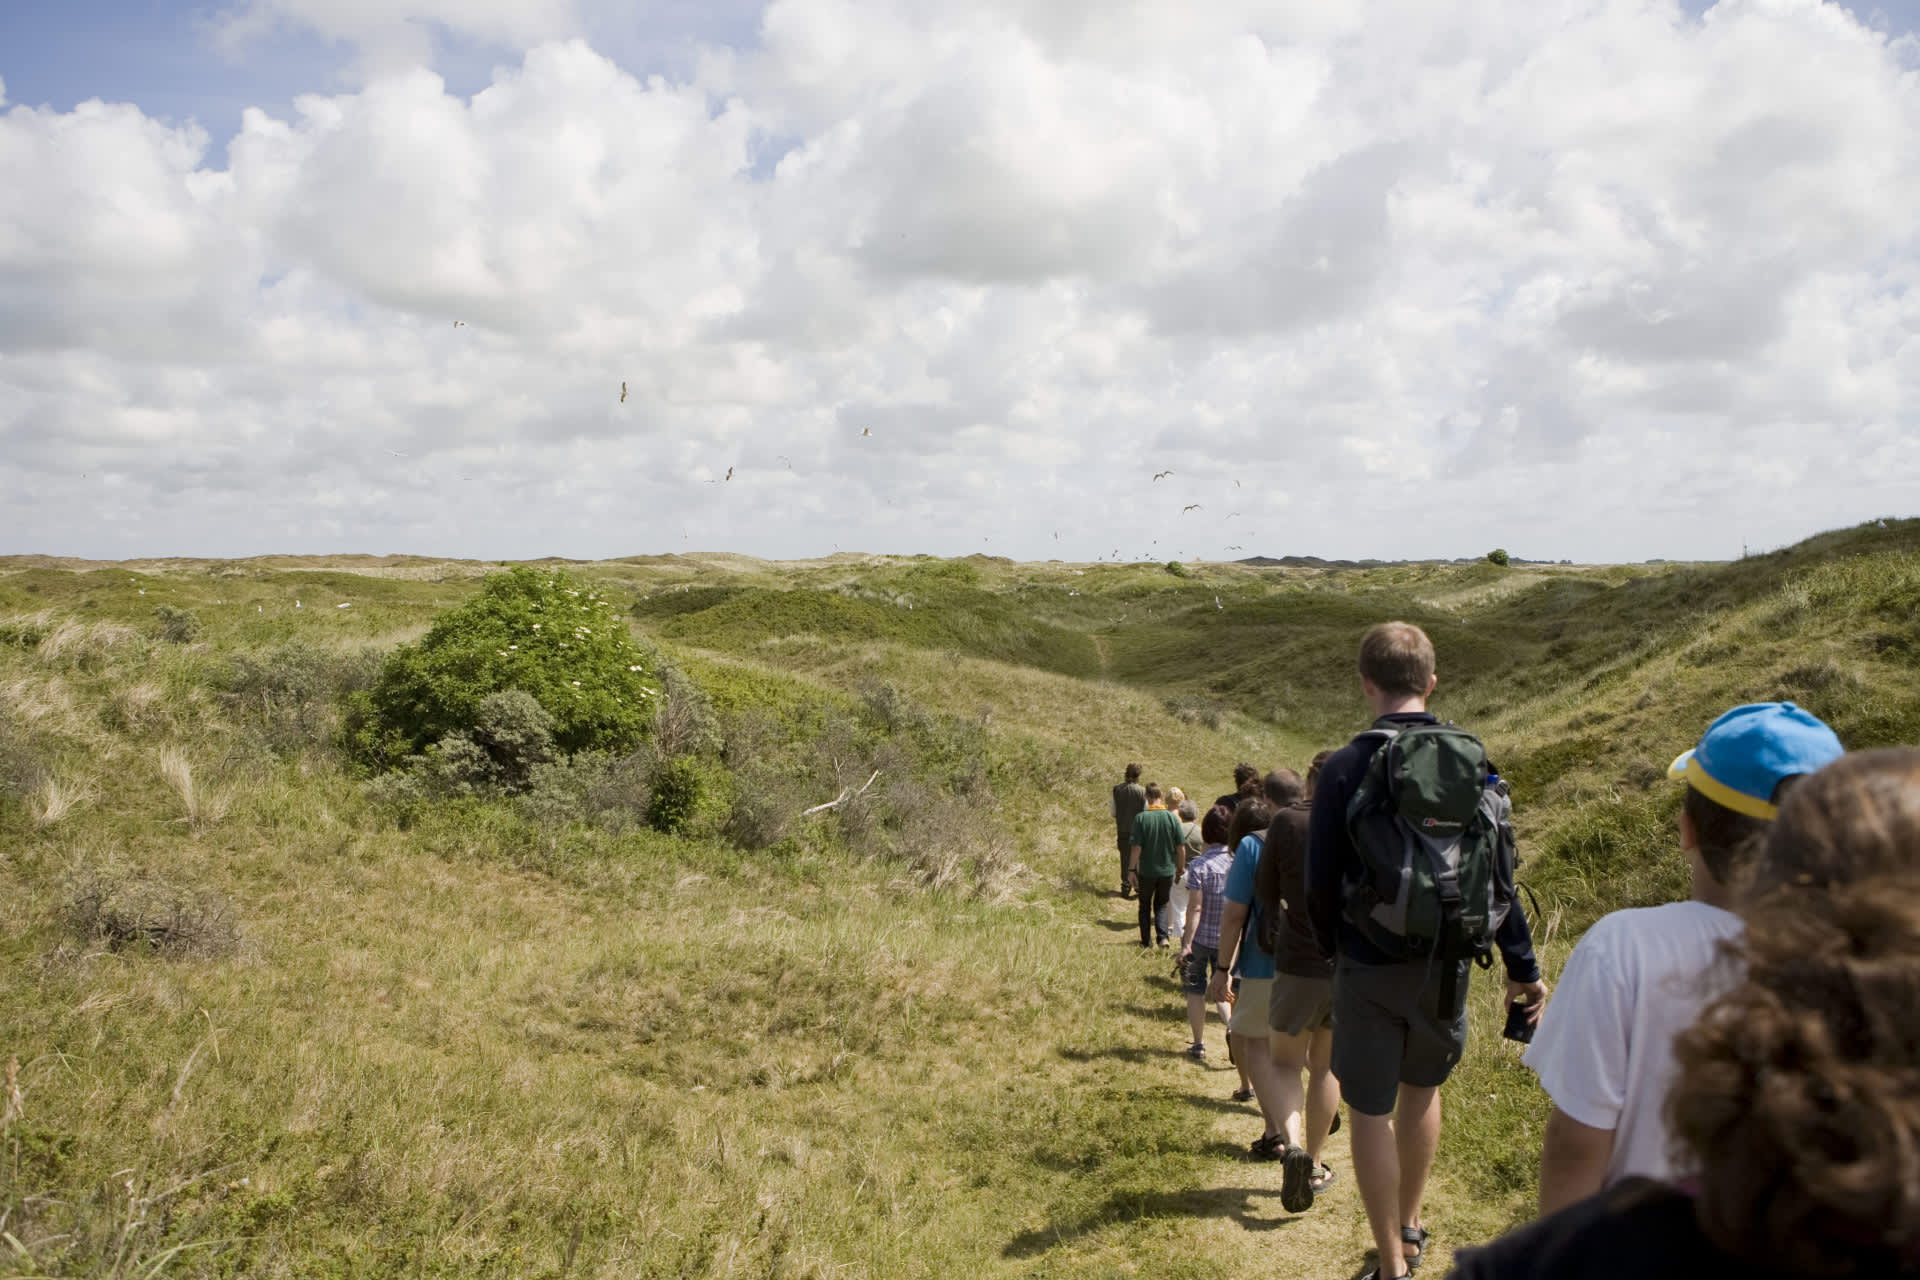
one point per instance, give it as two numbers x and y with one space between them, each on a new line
1571 262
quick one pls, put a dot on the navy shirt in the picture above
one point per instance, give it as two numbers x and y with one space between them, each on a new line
1332 859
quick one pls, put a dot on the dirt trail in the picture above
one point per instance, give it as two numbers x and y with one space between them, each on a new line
1235 1217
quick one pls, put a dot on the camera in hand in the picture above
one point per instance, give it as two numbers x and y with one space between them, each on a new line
1519 1026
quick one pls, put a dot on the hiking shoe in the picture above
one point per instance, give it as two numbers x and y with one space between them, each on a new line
1269 1147
1197 1051
1296 1182
1323 1177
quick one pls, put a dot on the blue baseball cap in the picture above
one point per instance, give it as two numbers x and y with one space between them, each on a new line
1745 753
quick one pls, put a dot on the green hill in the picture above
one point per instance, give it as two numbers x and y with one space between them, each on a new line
273 1016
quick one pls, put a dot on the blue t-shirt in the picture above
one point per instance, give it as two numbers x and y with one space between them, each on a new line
1253 963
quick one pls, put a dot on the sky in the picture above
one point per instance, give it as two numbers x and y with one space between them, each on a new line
1599 280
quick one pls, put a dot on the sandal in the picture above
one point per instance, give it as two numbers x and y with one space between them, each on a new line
1416 1239
1242 1095
1270 1147
1322 1178
1378 1274
1197 1051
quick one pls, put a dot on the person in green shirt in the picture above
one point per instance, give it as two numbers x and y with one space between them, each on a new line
1159 854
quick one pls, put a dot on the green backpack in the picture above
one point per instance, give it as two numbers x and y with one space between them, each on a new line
1435 837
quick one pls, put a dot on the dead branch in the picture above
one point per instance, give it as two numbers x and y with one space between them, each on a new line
845 795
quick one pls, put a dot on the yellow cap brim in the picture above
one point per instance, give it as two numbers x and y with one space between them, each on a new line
1688 767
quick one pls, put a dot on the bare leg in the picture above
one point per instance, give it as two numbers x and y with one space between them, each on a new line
1323 1092
1197 1015
1289 1060
1257 1061
1417 1137
1376 1168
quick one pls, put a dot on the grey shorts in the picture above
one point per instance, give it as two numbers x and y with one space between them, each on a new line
1300 1005
1388 1030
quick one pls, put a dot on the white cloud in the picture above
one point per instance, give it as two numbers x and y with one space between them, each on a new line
1595 273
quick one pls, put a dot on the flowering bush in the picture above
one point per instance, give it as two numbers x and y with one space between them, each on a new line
543 632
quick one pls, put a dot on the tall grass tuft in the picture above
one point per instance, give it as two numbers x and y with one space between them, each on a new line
204 806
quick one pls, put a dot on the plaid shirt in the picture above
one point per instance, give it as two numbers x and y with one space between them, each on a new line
1208 874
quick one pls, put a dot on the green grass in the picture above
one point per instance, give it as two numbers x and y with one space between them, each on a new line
913 1039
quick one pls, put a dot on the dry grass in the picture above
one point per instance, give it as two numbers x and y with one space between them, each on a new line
204 806
57 797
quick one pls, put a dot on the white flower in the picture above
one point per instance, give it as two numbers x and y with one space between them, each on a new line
576 684
536 626
513 646
635 667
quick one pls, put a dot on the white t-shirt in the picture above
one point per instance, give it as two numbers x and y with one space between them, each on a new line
1604 1049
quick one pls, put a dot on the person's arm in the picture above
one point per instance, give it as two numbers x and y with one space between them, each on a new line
1582 1055
1133 866
1573 1161
1232 921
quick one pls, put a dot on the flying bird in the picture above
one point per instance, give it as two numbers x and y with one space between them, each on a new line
783 457
1218 605
866 431
1236 484
623 393
396 453
459 324
1162 475
1192 506
1236 548
729 473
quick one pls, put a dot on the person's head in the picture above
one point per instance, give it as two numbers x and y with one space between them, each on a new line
1153 793
1858 817
1797 1098
1252 814
1133 773
1283 787
1188 812
1396 663
1736 778
1313 771
1243 773
1215 826
1175 797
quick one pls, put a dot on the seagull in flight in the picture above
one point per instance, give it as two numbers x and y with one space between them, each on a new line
784 458
1162 475
1236 548
623 393
1192 506
729 473
396 453
459 324
866 431
1218 605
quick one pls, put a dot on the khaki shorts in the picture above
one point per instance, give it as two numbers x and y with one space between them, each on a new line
1250 1010
1300 1005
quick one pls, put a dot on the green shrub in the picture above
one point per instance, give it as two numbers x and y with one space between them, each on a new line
177 626
679 786
291 695
1498 556
545 633
1177 569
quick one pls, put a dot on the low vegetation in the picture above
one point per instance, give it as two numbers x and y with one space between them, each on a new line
342 932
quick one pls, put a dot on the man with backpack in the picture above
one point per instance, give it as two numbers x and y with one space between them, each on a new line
1409 882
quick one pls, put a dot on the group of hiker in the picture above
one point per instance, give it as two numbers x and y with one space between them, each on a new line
1735 1079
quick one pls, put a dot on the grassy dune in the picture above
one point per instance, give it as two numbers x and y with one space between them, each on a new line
268 1024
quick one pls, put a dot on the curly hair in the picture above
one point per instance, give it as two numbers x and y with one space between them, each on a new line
1858 817
1798 1095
